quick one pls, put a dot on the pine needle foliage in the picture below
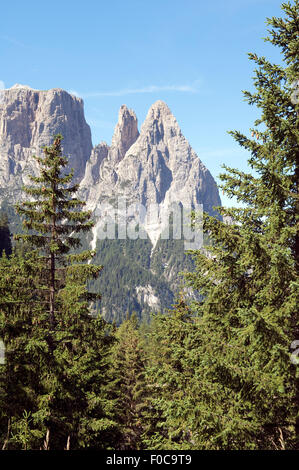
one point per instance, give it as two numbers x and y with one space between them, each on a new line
129 386
59 349
55 219
247 315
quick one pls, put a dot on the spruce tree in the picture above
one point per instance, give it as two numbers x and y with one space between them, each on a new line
129 387
171 373
47 313
248 276
22 323
55 218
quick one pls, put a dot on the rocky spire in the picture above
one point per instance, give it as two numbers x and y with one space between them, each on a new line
162 168
158 166
92 172
125 134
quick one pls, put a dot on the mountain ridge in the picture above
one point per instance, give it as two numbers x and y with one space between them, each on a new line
154 168
159 167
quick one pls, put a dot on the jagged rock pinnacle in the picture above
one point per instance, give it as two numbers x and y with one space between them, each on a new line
125 134
158 167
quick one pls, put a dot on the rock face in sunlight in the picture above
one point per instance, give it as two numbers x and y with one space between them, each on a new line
28 120
101 169
157 166
154 168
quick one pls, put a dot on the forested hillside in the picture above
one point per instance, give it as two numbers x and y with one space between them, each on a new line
216 371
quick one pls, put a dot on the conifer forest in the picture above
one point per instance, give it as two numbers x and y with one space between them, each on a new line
219 370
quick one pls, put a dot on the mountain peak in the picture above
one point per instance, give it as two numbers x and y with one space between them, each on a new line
18 86
125 114
159 104
125 133
28 120
158 110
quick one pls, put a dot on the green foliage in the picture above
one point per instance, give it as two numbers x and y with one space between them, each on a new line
127 265
22 323
15 222
5 235
212 373
172 376
247 316
53 382
130 387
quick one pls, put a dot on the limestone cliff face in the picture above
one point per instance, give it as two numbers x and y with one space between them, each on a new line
156 167
101 175
125 134
163 166
28 120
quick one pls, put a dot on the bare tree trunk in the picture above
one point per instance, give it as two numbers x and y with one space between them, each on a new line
7 435
68 443
281 440
46 441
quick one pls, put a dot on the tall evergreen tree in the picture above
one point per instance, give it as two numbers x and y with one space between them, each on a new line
21 329
172 376
129 386
56 218
45 309
248 277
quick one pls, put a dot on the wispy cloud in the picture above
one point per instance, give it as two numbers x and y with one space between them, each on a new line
147 89
2 85
13 41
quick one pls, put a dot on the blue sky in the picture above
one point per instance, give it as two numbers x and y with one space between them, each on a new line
192 54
